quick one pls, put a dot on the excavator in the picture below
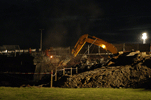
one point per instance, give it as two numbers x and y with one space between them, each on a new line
93 40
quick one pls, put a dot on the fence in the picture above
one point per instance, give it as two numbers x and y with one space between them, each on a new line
52 75
63 70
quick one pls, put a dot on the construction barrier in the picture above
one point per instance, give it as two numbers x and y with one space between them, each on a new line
52 75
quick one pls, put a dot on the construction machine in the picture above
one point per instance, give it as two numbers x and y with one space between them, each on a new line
93 40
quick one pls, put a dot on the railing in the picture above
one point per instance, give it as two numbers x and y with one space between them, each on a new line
52 73
63 70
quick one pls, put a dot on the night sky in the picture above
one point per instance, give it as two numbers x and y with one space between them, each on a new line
64 21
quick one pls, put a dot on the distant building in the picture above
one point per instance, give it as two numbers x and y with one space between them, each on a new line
11 47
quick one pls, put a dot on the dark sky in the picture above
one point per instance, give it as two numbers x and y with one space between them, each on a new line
64 21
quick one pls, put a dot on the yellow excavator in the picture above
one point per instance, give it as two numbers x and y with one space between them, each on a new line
93 40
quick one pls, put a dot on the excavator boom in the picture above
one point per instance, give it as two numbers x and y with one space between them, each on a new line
94 40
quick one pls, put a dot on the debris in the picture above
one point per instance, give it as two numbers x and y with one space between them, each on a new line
122 72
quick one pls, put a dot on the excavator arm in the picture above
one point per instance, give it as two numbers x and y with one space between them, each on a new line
94 40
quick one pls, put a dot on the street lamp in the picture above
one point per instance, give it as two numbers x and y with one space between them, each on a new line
144 37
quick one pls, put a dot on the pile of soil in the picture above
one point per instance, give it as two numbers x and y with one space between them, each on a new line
131 75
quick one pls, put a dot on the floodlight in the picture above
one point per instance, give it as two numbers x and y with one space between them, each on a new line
144 37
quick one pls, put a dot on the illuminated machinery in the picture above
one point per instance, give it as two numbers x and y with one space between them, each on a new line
93 40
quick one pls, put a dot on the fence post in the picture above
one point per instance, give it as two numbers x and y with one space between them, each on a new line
76 70
56 75
71 71
63 71
51 82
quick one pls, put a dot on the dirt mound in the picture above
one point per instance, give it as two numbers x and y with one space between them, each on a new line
128 76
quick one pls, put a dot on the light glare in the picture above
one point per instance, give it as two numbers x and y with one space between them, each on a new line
51 56
103 46
144 37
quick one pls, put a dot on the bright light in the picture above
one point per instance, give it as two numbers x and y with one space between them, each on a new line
51 56
144 37
5 50
103 46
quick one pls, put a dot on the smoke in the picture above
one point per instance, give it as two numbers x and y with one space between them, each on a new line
55 36
67 20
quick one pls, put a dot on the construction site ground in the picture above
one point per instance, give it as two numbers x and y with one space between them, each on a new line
122 72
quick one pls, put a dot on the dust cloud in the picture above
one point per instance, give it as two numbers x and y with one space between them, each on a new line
67 20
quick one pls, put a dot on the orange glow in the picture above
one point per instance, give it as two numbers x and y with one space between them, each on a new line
51 56
103 46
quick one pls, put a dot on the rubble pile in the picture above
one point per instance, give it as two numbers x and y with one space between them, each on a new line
133 71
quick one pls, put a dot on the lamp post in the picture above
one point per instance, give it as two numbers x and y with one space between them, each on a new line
41 40
144 37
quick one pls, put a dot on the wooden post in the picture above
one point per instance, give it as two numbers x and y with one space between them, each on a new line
56 74
99 50
88 50
71 71
76 70
51 82
124 47
63 71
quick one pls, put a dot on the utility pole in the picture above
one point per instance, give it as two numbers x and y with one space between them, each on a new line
41 39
